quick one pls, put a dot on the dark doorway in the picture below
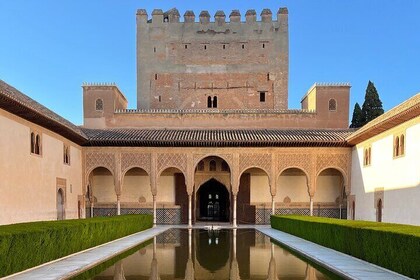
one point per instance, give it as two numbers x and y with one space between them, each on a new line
213 202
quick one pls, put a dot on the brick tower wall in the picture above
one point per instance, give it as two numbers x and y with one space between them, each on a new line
185 65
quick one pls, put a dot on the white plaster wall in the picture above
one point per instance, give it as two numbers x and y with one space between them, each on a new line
260 189
135 187
28 182
328 188
295 187
400 177
166 189
103 188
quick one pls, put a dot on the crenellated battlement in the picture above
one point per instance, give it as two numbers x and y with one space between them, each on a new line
173 16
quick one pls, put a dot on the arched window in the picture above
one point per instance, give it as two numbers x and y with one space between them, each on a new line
32 142
37 144
225 166
397 146
212 165
379 211
99 104
215 102
200 166
402 144
66 154
209 103
332 105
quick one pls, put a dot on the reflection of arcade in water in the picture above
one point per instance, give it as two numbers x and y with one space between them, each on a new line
213 254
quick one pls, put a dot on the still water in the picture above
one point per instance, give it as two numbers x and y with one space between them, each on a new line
201 254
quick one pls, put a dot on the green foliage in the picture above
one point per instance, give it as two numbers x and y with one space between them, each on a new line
358 119
372 107
393 246
27 245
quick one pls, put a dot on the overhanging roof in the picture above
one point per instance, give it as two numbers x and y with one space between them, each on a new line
401 113
218 138
15 102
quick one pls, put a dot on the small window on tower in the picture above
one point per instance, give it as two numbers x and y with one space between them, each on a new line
205 47
263 46
99 105
332 105
243 46
262 96
156 76
160 98
224 47
154 49
186 46
215 102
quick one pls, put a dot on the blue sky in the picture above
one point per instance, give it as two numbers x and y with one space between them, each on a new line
48 48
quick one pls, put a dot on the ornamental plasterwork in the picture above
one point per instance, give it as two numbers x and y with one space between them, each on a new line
172 160
226 157
255 160
98 159
339 160
130 160
302 161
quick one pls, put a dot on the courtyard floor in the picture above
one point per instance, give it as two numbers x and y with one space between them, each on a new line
339 263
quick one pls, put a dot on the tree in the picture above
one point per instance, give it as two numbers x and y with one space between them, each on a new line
358 119
372 107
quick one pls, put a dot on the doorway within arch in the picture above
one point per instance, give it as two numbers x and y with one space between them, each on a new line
213 202
60 204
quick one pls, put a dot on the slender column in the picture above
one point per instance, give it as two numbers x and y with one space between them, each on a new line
154 210
91 208
189 210
273 207
118 204
234 210
311 205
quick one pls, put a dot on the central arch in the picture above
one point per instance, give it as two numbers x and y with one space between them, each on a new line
213 202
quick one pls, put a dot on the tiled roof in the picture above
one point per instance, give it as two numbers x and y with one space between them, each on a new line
218 138
15 102
403 112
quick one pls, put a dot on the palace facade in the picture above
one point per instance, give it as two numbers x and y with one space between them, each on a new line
211 139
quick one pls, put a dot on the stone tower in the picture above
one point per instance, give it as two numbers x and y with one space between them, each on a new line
212 64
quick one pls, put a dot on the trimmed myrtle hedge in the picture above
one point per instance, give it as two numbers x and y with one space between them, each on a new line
30 244
393 246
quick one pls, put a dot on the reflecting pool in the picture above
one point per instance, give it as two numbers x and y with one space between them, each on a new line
203 254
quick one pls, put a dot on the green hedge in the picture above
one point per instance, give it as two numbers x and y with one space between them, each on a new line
30 244
393 246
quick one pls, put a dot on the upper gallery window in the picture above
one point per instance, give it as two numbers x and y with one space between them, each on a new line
399 145
367 156
66 154
212 165
35 143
